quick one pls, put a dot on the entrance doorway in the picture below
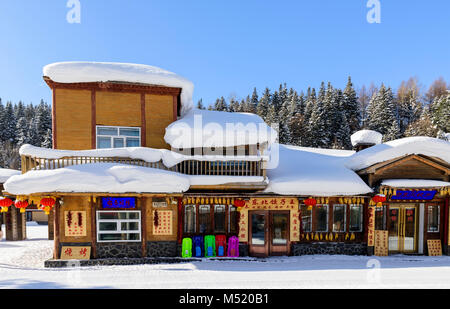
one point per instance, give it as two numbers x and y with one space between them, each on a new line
402 226
269 233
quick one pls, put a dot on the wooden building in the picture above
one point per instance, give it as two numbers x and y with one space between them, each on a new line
162 196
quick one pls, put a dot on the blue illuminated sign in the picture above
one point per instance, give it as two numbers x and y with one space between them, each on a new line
118 202
414 195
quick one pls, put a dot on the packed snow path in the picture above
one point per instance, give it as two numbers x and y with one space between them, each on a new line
22 266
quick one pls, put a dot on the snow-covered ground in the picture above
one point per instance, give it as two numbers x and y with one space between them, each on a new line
22 266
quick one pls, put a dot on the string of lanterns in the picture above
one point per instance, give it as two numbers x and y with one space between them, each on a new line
22 202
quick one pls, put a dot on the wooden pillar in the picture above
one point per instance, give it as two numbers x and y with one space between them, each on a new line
56 213
93 229
144 221
15 223
51 229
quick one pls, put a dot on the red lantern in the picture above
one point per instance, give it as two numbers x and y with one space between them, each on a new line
47 204
379 199
5 203
239 203
22 205
310 202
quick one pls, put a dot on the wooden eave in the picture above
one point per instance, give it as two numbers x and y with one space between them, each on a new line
382 166
116 86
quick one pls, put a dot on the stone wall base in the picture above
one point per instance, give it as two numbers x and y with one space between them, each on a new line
329 249
162 249
119 250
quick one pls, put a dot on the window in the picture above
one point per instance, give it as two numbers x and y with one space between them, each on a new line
219 218
356 218
433 218
321 218
339 218
306 212
189 219
380 218
118 226
204 219
232 222
118 137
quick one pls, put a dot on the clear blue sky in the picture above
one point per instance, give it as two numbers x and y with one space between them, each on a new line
228 47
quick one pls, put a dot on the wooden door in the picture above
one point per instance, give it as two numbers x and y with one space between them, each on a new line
259 233
279 233
403 223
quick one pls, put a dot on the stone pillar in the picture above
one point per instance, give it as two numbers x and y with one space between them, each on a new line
15 224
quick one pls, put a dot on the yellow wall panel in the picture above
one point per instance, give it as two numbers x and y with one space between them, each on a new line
159 114
118 109
73 119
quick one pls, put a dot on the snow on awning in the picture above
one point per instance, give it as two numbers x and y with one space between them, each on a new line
98 178
5 174
427 146
203 128
305 173
414 183
87 72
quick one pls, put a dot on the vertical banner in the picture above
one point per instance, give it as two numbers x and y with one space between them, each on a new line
371 227
295 225
243 225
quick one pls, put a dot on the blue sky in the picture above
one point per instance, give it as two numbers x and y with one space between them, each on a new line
228 47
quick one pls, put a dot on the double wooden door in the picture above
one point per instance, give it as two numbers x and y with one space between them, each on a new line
269 233
403 226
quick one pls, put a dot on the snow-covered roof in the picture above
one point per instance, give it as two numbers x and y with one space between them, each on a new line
301 172
203 128
366 137
5 174
427 146
414 183
98 178
85 72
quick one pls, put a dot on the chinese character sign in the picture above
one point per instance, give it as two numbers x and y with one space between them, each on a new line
295 225
243 226
371 227
75 253
164 226
75 223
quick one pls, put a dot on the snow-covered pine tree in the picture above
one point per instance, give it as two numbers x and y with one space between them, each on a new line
254 101
221 105
234 105
351 107
47 141
440 113
382 113
393 132
8 134
22 128
264 103
200 104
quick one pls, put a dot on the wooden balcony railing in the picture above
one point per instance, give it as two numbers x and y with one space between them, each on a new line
188 167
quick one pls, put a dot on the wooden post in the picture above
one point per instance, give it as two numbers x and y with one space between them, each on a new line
51 224
144 201
56 236
93 228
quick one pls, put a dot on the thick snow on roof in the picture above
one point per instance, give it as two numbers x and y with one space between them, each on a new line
325 151
427 146
414 183
84 72
142 153
203 128
302 172
366 137
5 174
99 177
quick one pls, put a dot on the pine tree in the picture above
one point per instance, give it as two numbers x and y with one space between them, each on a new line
47 141
263 105
254 102
440 113
200 104
382 113
392 133
221 105
8 134
350 107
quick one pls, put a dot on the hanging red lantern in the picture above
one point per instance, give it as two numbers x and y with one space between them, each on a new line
310 202
5 203
22 205
47 204
239 203
379 200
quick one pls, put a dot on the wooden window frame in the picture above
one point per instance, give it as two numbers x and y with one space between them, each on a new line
124 137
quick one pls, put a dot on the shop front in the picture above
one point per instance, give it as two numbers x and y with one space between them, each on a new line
412 220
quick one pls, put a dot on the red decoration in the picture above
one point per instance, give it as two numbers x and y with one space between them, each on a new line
69 218
5 203
80 219
22 205
156 219
310 202
47 204
239 203
379 199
